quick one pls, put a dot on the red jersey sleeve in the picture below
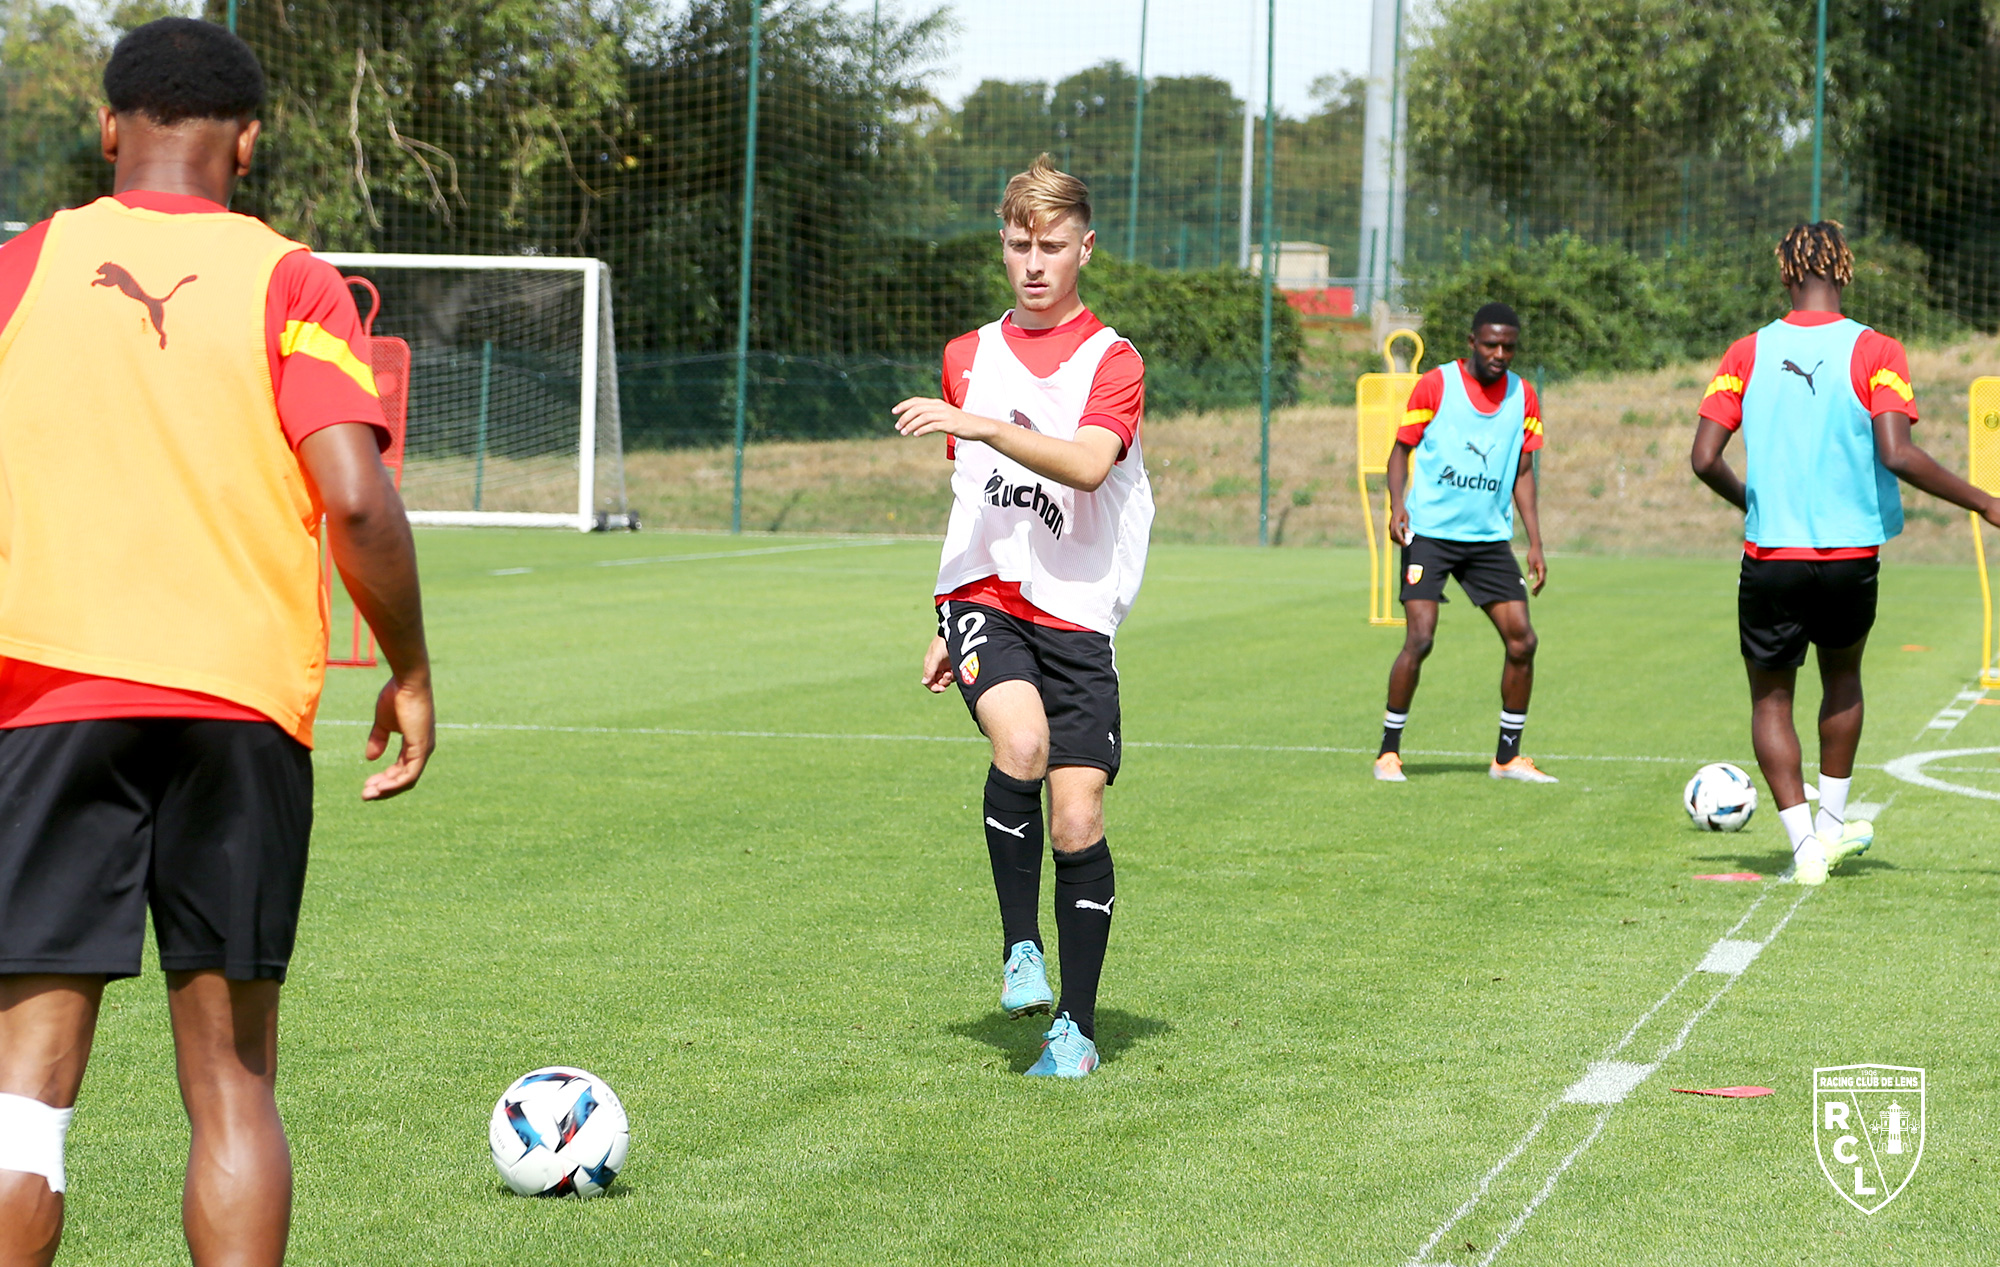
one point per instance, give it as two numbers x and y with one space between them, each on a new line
1723 402
958 356
18 257
319 355
1531 427
1881 373
1117 399
1422 406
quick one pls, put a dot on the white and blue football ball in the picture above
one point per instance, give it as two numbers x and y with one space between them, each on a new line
559 1132
1720 797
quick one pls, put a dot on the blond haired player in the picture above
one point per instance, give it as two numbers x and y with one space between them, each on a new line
183 393
1050 517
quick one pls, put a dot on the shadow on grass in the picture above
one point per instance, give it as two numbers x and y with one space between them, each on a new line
1021 1041
1418 769
1775 861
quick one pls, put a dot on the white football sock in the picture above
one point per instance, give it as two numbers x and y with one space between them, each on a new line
1832 804
1798 821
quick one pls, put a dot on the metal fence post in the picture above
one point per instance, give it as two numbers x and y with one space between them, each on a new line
1819 109
743 259
1270 276
1138 142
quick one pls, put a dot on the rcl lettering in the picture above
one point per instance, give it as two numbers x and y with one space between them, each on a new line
1843 1148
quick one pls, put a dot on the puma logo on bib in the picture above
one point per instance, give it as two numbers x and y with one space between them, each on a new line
112 275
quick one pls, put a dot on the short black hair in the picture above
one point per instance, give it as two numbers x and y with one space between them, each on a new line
1495 314
180 68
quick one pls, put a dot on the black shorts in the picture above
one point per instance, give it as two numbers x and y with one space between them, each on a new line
1075 671
1486 570
206 822
1783 604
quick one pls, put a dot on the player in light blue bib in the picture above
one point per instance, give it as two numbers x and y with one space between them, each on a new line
1460 468
1825 407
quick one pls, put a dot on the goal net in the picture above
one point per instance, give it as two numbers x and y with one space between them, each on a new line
513 388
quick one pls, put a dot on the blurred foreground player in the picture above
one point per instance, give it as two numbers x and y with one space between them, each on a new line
1461 465
1050 518
1825 406
182 393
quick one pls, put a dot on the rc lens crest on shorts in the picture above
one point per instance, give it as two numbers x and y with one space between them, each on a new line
968 669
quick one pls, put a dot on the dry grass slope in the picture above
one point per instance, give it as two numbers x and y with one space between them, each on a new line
1614 475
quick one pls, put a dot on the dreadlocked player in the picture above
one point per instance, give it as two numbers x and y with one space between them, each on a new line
1823 453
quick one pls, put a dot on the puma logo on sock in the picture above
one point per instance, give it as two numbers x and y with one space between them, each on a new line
1015 832
1085 904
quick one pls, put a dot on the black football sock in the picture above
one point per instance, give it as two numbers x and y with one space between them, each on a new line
1085 890
1511 725
1014 843
1392 731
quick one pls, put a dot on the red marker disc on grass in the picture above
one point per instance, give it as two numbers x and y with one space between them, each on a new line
1732 1093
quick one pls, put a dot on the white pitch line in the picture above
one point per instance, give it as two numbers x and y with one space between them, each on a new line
1548 1186
1727 957
683 732
1610 1082
1910 769
691 558
1948 717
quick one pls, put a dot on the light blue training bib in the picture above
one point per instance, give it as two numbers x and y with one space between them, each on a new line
1462 471
1809 444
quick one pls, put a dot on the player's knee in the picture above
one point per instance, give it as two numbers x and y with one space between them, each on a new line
1521 647
1075 829
1022 756
32 1138
1418 645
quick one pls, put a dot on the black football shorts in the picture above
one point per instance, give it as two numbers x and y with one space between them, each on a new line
1784 604
205 822
1075 671
1486 571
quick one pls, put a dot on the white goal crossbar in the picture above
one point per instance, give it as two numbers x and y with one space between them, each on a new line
595 315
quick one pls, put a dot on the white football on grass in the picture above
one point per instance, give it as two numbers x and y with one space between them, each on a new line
559 1132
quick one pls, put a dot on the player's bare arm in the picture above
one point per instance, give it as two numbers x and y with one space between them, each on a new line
369 535
1082 463
1525 506
1712 469
1399 480
1911 464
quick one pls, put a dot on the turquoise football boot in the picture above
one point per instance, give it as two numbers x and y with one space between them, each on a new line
1066 1053
1024 982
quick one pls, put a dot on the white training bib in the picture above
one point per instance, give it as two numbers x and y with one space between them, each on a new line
1077 556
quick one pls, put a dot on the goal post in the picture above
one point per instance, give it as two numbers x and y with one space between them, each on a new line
1378 410
513 389
1983 469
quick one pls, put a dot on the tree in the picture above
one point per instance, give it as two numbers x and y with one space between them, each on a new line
1587 113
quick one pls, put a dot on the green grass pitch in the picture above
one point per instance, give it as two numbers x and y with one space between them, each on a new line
1331 1005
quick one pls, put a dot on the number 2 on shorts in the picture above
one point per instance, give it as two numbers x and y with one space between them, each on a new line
968 625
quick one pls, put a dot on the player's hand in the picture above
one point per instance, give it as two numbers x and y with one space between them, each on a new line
937 667
403 708
1399 527
923 415
1538 569
1992 512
